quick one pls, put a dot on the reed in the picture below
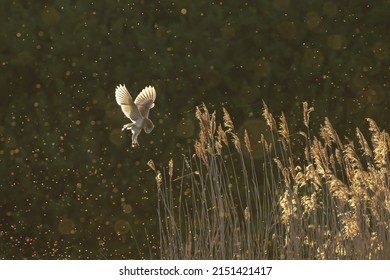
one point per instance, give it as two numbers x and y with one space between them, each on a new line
328 200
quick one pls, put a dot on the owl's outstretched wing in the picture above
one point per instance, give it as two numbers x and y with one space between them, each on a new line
148 125
145 100
124 99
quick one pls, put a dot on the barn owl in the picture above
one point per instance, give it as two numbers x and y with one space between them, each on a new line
137 111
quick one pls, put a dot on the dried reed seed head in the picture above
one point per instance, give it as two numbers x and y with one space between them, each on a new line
222 135
381 149
267 147
373 127
309 203
279 164
306 113
209 123
283 128
332 133
204 119
373 181
198 113
170 168
200 152
227 121
338 188
212 124
381 155
236 142
268 117
247 142
284 170
381 144
359 188
151 165
351 226
321 159
312 175
324 135
299 178
289 207
363 143
351 157
206 113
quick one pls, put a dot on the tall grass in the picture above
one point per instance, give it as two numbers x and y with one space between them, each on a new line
329 200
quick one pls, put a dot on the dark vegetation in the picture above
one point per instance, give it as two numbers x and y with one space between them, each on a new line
72 187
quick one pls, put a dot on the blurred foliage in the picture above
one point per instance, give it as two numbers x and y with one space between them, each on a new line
71 186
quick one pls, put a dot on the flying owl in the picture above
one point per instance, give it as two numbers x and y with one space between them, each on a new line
137 111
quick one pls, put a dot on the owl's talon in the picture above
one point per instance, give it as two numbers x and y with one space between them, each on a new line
127 126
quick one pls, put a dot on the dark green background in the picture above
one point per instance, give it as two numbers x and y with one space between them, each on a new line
71 186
